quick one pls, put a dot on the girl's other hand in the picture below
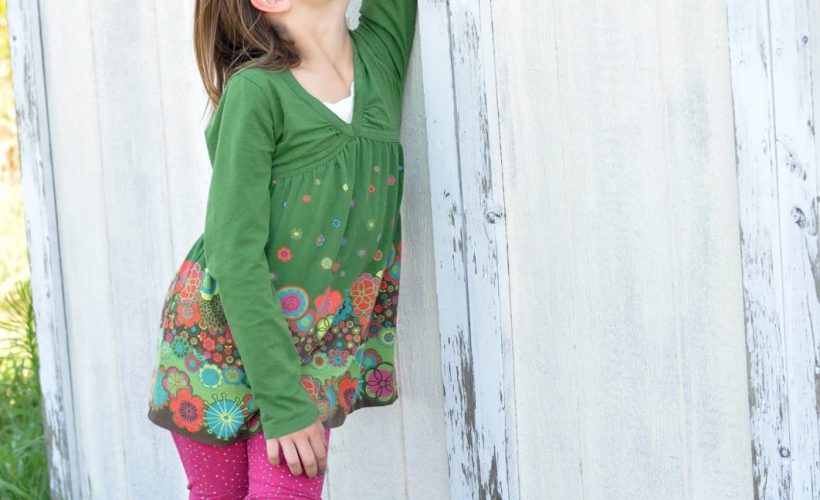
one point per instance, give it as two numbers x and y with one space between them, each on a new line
307 444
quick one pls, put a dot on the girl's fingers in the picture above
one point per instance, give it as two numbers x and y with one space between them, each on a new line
291 456
272 446
317 441
307 455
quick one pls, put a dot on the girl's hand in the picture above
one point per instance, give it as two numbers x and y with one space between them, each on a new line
307 444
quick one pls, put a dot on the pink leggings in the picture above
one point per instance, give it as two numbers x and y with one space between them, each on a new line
242 471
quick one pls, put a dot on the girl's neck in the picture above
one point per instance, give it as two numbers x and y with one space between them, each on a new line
324 45
319 32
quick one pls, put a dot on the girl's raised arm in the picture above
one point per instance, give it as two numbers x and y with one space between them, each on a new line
237 231
392 23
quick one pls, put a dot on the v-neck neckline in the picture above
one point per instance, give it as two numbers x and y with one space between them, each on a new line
321 108
343 99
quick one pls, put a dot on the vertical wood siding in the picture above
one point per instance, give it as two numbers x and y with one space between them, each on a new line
470 244
621 203
774 88
44 245
611 185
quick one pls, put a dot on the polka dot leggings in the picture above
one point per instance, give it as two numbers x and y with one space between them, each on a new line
242 471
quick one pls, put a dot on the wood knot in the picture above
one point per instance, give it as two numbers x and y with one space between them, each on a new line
493 214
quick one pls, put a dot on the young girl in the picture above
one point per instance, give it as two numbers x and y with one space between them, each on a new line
281 319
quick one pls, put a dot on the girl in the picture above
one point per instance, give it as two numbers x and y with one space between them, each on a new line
281 319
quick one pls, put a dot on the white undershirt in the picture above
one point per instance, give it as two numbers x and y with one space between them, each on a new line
343 108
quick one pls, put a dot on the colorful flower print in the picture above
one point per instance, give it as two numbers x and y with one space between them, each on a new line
190 286
343 312
368 358
344 334
187 410
328 302
311 385
249 403
363 293
224 417
303 323
319 360
180 347
294 301
324 410
210 375
347 390
209 286
379 382
284 254
175 380
160 396
337 357
387 335
187 315
192 363
182 275
232 375
322 326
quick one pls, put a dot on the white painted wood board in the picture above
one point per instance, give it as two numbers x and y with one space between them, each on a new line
620 189
43 247
469 237
774 81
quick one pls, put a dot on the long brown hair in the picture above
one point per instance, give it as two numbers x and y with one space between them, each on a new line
232 34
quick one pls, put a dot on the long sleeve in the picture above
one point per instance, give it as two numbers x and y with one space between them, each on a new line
392 23
241 145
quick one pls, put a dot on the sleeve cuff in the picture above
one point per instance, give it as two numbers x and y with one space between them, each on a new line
273 428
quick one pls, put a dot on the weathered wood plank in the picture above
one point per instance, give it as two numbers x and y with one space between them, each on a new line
104 150
43 246
619 186
470 245
777 180
797 193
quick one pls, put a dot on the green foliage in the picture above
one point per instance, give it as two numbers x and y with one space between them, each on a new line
23 462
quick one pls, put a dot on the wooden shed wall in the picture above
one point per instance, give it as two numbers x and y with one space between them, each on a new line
589 253
621 195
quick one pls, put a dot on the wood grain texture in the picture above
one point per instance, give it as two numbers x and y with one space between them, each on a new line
775 112
107 142
43 247
619 180
470 245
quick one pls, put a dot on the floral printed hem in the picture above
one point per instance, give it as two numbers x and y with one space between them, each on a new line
199 387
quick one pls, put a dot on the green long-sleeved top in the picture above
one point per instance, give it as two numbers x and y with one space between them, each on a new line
285 308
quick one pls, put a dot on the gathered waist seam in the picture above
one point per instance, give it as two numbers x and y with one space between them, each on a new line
315 161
